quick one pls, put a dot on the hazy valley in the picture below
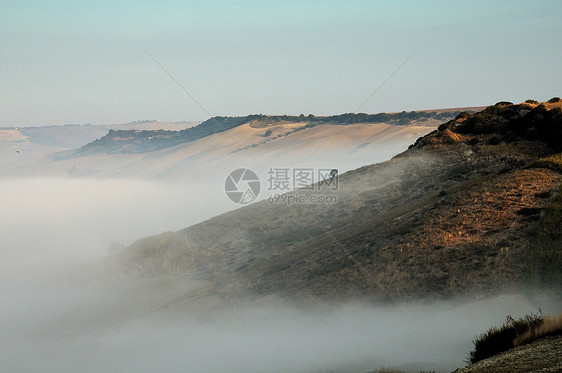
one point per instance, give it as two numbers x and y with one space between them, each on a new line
437 243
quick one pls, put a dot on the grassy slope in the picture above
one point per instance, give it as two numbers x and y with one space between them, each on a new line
546 245
447 217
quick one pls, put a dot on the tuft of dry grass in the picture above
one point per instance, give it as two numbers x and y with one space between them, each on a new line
554 162
514 333
550 325
499 339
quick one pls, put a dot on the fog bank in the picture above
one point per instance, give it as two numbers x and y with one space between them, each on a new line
60 310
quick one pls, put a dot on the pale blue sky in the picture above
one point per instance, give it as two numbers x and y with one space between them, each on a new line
85 61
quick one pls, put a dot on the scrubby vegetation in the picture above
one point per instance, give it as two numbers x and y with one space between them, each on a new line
550 325
553 162
500 339
505 124
383 370
401 118
514 333
512 122
546 242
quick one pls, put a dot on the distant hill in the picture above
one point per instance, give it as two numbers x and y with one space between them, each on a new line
140 141
18 143
257 142
473 207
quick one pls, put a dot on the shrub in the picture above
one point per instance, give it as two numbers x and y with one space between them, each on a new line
554 100
463 114
444 126
554 162
495 140
532 102
473 141
538 124
541 109
500 339
267 133
404 121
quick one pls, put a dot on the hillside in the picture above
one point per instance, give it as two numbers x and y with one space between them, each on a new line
540 356
151 149
139 141
19 143
329 145
458 213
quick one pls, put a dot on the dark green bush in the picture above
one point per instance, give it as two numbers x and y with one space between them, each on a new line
404 121
444 126
511 124
463 114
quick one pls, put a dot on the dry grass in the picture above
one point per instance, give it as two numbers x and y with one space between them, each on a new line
545 259
548 104
383 370
552 105
499 339
551 325
514 333
553 162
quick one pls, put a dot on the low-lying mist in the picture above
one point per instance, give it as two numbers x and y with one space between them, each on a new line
62 310
46 221
51 327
